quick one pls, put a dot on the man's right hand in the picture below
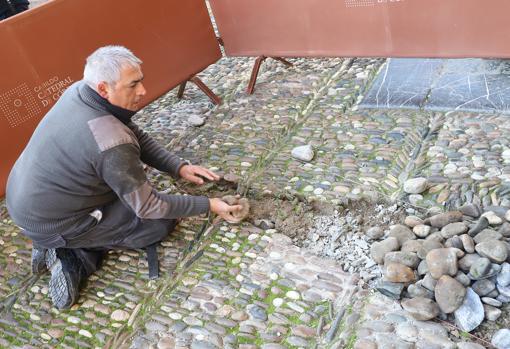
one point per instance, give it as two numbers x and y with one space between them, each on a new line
224 210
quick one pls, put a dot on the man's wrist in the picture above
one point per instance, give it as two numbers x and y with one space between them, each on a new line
181 165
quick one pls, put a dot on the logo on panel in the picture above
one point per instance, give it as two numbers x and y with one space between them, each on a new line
22 103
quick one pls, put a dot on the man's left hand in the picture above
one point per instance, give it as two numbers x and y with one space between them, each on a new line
196 174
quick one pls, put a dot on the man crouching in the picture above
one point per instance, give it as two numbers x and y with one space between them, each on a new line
79 188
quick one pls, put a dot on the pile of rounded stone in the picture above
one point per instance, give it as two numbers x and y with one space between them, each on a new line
450 265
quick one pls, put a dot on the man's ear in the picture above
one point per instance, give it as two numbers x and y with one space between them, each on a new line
102 89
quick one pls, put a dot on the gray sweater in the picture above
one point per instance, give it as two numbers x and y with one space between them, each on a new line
82 157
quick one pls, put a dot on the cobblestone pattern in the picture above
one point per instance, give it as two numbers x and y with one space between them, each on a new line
242 132
14 259
112 297
375 148
251 288
468 160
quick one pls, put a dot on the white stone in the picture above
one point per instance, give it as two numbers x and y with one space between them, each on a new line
85 333
492 218
88 304
303 153
196 120
318 191
166 309
450 168
501 339
293 295
478 163
275 255
414 199
415 185
422 230
277 302
120 315
175 316
73 320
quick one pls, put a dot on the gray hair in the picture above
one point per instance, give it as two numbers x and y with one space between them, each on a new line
106 63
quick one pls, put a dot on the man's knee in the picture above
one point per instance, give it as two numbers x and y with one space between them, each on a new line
150 232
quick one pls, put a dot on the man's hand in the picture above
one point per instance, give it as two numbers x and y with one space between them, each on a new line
224 210
195 174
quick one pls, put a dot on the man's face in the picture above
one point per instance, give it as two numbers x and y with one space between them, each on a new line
128 91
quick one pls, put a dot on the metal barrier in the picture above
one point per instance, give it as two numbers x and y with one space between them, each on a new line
381 28
44 51
362 28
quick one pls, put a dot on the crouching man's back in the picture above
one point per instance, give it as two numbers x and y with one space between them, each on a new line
54 184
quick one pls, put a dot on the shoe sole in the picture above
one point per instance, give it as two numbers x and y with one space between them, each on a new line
59 287
39 267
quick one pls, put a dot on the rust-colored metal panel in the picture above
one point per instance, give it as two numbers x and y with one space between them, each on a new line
44 51
333 28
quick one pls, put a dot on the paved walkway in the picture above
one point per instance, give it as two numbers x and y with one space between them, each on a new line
249 287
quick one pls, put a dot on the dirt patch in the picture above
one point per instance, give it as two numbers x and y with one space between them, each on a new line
292 218
210 189
297 219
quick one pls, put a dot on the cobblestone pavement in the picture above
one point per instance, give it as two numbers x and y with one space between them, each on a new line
243 286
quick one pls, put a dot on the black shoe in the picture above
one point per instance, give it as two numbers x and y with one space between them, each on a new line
38 262
66 276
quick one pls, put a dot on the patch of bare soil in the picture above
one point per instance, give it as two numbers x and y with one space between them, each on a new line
292 218
298 219
210 189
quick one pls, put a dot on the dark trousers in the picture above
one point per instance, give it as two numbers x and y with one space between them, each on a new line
119 228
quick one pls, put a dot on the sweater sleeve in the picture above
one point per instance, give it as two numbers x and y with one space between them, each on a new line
122 170
153 154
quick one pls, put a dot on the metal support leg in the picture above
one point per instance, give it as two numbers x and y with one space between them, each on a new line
182 87
200 84
255 73
256 68
284 61
203 87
